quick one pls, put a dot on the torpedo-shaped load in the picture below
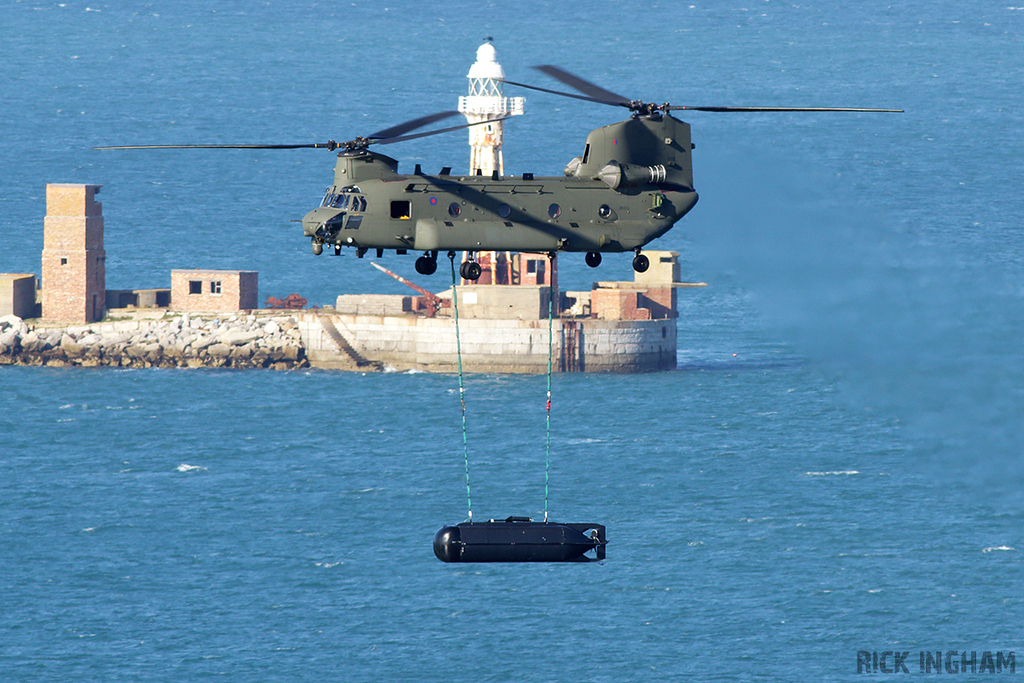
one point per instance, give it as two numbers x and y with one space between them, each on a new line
519 539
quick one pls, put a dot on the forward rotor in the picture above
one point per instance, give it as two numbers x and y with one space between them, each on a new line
386 136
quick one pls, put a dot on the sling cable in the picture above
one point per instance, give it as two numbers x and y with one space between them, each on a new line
515 539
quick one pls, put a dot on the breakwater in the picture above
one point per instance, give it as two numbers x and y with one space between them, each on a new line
144 338
160 339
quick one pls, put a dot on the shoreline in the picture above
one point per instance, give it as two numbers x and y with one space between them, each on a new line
165 339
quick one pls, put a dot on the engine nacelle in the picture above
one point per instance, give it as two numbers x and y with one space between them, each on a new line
616 175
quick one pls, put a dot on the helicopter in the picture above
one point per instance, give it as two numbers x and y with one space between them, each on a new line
632 183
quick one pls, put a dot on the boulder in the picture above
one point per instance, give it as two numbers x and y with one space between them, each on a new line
202 342
10 321
219 350
9 339
71 348
239 337
30 341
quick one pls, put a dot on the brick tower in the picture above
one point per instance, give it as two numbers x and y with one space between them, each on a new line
74 272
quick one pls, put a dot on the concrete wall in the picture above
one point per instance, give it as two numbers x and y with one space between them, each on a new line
521 302
18 295
139 298
373 304
512 346
664 268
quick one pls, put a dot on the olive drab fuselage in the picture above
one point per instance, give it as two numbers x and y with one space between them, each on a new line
632 183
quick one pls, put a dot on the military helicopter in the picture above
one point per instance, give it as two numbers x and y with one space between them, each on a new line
633 182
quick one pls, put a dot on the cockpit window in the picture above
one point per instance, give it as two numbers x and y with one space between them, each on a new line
586 153
345 198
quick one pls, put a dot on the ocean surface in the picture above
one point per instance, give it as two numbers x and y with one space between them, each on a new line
834 467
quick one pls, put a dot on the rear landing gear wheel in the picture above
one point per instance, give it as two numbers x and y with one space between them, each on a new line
426 265
470 270
593 259
641 263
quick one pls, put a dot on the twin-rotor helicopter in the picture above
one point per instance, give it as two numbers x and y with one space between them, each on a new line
633 182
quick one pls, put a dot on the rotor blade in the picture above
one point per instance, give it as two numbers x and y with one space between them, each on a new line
314 145
565 94
395 131
586 87
402 138
748 109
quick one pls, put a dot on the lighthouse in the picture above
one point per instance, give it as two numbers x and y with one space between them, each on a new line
487 101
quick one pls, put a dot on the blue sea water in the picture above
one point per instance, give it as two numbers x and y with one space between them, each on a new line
835 466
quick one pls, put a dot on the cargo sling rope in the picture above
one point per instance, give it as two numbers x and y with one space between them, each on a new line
516 539
462 392
551 344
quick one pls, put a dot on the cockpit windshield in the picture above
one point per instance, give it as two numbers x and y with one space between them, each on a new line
344 198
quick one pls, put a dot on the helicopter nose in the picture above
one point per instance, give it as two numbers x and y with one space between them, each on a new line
323 222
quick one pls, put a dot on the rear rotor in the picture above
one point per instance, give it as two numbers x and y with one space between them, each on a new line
595 93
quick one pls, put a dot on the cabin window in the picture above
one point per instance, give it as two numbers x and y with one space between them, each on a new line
554 211
454 209
504 210
401 208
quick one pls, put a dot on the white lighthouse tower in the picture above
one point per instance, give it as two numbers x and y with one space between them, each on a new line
486 101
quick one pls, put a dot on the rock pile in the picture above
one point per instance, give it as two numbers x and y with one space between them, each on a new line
175 340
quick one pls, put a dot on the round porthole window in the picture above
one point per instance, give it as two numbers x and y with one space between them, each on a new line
454 210
504 210
554 211
604 211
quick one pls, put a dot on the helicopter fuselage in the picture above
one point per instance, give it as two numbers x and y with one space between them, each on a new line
633 182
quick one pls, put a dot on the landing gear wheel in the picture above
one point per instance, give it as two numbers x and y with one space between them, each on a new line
470 270
318 248
593 259
641 263
426 265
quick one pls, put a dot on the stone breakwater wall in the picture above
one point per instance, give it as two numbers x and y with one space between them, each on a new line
170 340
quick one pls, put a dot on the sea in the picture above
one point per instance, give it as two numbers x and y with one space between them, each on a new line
829 485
